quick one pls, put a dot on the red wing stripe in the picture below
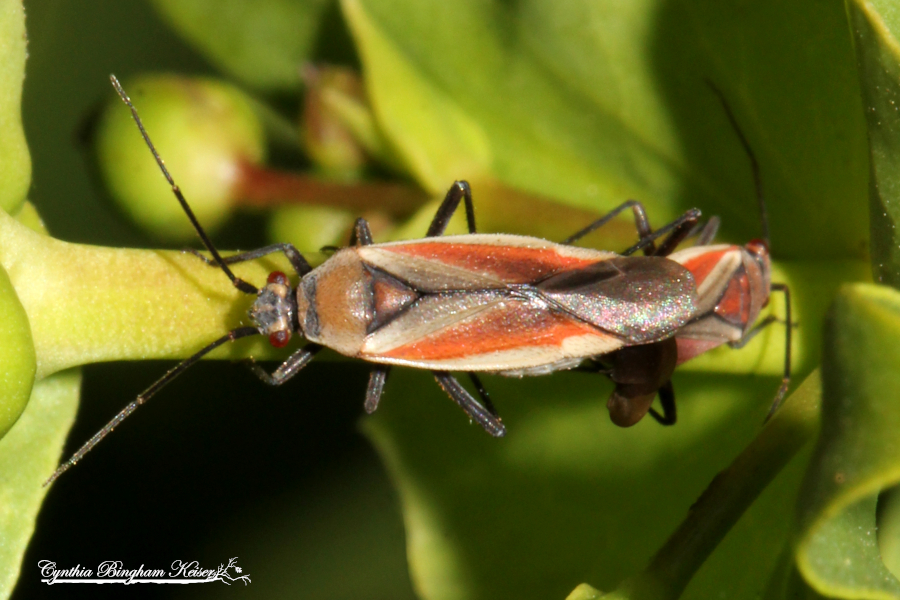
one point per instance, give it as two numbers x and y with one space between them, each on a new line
509 326
509 263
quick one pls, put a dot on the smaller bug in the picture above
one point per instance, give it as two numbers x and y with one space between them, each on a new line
733 286
495 303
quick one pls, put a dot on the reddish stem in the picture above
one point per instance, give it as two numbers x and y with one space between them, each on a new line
262 187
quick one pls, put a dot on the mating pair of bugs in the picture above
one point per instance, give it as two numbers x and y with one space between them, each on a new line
506 304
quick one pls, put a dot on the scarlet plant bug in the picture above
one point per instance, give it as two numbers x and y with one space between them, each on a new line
495 303
733 286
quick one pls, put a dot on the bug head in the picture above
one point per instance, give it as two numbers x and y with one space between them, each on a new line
274 312
759 250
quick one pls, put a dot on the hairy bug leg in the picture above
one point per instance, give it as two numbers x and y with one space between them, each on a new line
293 255
789 325
476 412
667 401
362 235
288 368
482 393
641 222
676 231
708 231
377 379
458 191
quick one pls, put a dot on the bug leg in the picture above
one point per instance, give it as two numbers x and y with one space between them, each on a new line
708 232
789 325
485 398
362 235
458 191
288 368
376 386
642 224
677 231
476 412
759 327
667 400
293 255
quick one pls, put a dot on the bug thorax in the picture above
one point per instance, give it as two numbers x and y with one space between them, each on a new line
274 309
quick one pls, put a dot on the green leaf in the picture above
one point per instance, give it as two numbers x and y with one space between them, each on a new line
28 454
592 104
15 163
439 142
858 452
595 103
263 43
878 56
566 497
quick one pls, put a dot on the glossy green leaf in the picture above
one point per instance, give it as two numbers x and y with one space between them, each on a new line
15 163
592 103
889 528
566 497
858 452
263 43
28 454
875 25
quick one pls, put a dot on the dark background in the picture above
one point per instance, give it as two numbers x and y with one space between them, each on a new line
218 465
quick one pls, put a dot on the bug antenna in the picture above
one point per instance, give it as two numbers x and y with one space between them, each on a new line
217 258
157 385
754 164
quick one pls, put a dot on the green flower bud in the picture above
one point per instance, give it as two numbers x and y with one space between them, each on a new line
205 131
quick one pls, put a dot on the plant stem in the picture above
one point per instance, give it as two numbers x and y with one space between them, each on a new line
728 496
262 187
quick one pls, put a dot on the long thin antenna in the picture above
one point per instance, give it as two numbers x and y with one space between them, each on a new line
238 282
146 395
754 164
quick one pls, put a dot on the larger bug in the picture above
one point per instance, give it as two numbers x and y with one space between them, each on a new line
474 303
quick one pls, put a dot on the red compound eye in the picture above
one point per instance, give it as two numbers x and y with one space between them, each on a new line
279 339
277 277
758 247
